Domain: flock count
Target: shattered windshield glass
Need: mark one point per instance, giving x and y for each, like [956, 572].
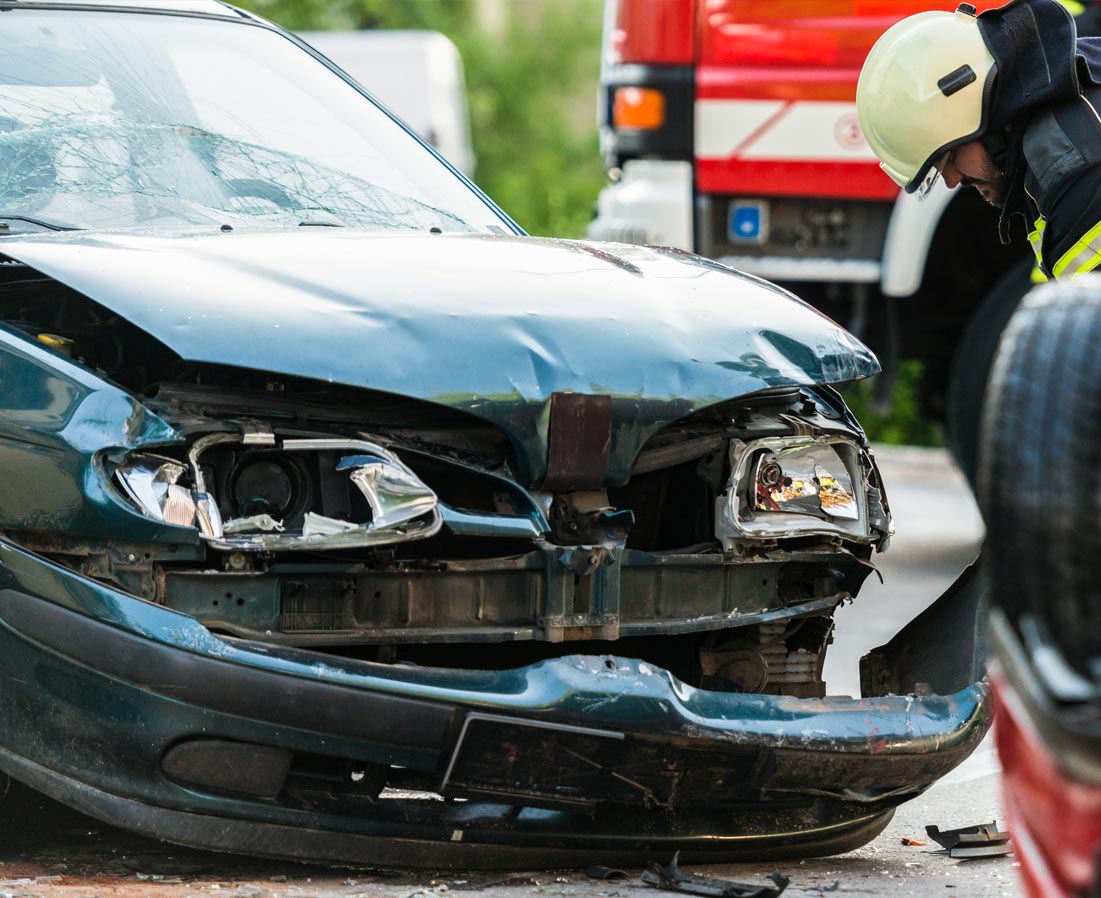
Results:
[116, 120]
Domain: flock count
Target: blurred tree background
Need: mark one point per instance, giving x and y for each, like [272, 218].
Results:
[532, 68]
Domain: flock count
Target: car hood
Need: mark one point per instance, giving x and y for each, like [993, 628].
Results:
[492, 325]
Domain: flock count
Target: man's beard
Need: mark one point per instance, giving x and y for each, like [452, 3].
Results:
[993, 191]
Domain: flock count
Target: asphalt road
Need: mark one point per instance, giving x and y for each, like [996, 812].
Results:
[48, 851]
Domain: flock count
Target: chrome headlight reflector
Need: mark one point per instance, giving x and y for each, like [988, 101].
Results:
[795, 486]
[395, 493]
[151, 485]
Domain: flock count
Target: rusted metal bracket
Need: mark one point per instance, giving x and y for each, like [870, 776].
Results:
[583, 595]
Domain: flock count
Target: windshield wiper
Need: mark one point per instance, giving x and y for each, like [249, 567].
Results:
[320, 224]
[49, 225]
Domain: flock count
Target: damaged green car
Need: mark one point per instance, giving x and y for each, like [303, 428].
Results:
[340, 520]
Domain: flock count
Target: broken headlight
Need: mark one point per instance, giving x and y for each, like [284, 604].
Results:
[151, 484]
[254, 493]
[795, 486]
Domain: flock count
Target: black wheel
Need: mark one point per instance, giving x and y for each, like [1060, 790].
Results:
[1040, 466]
[972, 360]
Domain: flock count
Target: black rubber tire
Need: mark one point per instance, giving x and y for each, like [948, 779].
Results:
[1040, 466]
[972, 360]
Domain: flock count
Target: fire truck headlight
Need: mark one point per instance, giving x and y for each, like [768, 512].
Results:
[638, 107]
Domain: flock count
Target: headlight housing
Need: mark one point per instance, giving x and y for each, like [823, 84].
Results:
[796, 486]
[267, 509]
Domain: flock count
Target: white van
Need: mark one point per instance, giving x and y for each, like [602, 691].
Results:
[418, 75]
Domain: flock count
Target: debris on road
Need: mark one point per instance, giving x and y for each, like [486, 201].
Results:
[916, 843]
[674, 879]
[599, 872]
[27, 881]
[969, 842]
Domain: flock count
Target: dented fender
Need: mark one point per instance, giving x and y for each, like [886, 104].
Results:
[58, 417]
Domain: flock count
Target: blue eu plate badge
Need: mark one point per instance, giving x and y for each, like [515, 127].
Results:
[748, 222]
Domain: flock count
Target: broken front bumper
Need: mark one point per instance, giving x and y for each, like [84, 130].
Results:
[140, 716]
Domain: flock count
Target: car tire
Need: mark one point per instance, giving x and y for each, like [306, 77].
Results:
[1039, 477]
[973, 358]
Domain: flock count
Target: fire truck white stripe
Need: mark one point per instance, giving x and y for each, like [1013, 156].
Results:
[809, 131]
[723, 125]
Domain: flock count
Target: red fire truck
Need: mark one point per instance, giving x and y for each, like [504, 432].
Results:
[729, 128]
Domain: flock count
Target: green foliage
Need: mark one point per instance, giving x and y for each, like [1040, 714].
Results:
[532, 88]
[902, 421]
[322, 15]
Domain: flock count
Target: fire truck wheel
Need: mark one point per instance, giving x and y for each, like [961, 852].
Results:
[1040, 466]
[972, 361]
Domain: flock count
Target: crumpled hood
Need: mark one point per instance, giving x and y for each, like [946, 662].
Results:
[491, 325]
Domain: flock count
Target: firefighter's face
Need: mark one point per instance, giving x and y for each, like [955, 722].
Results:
[971, 165]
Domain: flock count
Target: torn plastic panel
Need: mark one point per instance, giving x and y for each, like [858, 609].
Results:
[939, 651]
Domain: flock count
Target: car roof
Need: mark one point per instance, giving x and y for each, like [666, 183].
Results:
[198, 7]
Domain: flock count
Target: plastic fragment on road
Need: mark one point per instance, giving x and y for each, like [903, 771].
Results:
[600, 872]
[969, 842]
[916, 843]
[672, 878]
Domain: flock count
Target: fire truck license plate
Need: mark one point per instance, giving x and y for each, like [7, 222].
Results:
[747, 221]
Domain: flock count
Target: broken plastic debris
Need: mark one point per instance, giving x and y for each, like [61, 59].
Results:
[917, 843]
[971, 852]
[319, 525]
[599, 872]
[674, 879]
[968, 842]
[257, 522]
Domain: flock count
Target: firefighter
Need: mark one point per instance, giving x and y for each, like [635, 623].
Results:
[1007, 102]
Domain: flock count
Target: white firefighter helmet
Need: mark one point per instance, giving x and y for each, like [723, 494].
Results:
[925, 88]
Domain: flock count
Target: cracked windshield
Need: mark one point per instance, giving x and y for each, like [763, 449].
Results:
[126, 121]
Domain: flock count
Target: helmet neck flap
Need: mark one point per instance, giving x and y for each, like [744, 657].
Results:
[1033, 43]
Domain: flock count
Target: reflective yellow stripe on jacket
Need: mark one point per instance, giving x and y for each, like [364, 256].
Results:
[1035, 238]
[1084, 256]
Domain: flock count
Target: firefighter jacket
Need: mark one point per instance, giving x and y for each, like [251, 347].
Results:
[1047, 103]
[1054, 176]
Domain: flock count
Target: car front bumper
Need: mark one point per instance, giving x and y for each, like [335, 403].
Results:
[570, 761]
